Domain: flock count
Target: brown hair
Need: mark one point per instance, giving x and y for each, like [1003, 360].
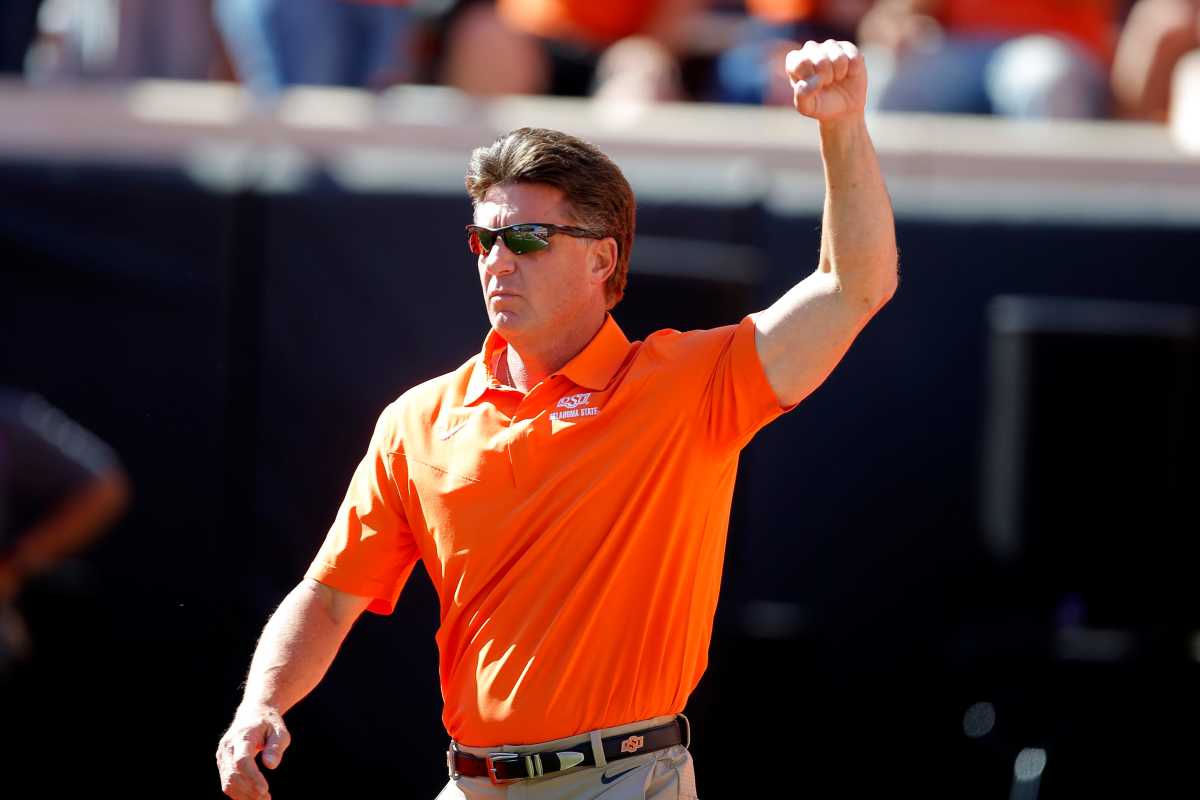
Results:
[597, 194]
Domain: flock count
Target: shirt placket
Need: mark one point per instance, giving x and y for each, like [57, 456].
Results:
[524, 428]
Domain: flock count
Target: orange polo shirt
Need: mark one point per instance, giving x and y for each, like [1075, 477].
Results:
[574, 534]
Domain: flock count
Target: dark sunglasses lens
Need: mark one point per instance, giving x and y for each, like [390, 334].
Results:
[524, 240]
[481, 241]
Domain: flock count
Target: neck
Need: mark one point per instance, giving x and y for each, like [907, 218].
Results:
[529, 363]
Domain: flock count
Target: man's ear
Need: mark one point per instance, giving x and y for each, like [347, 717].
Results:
[602, 259]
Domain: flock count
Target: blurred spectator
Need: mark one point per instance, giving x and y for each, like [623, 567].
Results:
[1185, 102]
[60, 488]
[124, 39]
[18, 28]
[750, 72]
[1020, 58]
[626, 49]
[279, 43]
[1156, 36]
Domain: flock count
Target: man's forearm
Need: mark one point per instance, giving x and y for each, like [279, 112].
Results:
[296, 648]
[858, 239]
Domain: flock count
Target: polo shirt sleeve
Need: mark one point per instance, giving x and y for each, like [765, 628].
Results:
[736, 400]
[369, 550]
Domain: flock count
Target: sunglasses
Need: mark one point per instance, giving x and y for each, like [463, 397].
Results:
[525, 237]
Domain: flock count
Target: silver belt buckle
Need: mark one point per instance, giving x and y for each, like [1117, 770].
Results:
[491, 760]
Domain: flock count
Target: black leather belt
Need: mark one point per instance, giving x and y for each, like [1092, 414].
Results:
[509, 767]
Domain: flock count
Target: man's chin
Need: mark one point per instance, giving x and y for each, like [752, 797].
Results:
[507, 323]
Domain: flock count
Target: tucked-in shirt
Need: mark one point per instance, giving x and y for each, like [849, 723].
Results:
[574, 534]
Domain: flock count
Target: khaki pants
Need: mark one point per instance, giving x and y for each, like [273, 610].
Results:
[658, 775]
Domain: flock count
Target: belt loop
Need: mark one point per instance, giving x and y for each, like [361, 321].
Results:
[687, 727]
[598, 749]
[450, 761]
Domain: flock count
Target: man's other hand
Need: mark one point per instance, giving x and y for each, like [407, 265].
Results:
[829, 80]
[254, 730]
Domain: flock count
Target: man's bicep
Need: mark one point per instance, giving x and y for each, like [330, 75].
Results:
[804, 334]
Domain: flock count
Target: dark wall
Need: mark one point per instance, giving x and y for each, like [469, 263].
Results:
[237, 348]
[114, 304]
[861, 589]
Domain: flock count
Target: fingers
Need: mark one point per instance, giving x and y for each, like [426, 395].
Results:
[241, 778]
[855, 64]
[799, 63]
[838, 59]
[820, 64]
[277, 741]
[829, 80]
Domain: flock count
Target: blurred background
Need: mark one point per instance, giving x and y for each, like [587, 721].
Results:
[230, 234]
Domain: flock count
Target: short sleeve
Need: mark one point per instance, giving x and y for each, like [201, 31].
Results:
[369, 550]
[739, 400]
[718, 373]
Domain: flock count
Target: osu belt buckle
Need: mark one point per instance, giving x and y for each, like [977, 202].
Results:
[633, 744]
[533, 766]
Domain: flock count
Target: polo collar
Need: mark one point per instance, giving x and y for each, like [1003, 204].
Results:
[593, 368]
[483, 374]
[599, 361]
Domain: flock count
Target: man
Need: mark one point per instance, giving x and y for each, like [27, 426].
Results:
[568, 491]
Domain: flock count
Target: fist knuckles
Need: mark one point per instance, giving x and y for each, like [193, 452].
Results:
[828, 79]
[830, 59]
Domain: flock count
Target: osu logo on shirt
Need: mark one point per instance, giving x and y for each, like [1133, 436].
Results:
[574, 400]
[574, 406]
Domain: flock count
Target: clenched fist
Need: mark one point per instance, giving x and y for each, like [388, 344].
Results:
[829, 80]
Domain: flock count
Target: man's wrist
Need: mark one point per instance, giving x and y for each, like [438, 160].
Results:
[257, 709]
[848, 124]
[843, 138]
[255, 697]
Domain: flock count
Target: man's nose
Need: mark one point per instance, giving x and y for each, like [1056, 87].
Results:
[499, 260]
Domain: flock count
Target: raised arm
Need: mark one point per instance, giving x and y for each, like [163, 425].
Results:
[804, 334]
[295, 651]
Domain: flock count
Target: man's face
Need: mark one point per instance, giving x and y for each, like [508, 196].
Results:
[543, 293]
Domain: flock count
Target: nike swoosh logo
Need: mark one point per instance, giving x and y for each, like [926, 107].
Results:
[607, 779]
[448, 432]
